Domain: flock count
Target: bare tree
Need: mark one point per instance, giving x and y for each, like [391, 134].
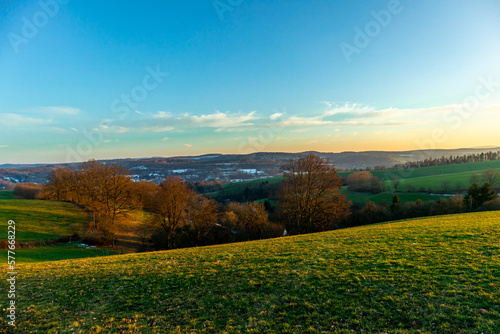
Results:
[170, 206]
[145, 192]
[118, 198]
[203, 216]
[446, 185]
[474, 178]
[395, 181]
[104, 190]
[491, 176]
[60, 185]
[310, 197]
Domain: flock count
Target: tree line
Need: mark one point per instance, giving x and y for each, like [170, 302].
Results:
[447, 160]
[178, 216]
[173, 214]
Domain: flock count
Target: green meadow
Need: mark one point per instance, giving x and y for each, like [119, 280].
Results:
[470, 167]
[456, 176]
[433, 275]
[39, 220]
[6, 194]
[362, 198]
[55, 253]
[414, 183]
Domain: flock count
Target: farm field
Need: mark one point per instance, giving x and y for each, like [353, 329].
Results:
[415, 183]
[6, 194]
[362, 198]
[457, 177]
[432, 275]
[39, 220]
[435, 170]
[239, 186]
[451, 183]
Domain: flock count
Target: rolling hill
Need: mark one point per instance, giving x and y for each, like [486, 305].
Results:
[433, 275]
[234, 167]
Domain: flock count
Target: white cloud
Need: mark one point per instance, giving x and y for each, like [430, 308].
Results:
[304, 121]
[188, 145]
[222, 120]
[15, 120]
[348, 109]
[354, 114]
[119, 129]
[162, 114]
[113, 129]
[63, 110]
[4, 146]
[164, 138]
[275, 116]
[157, 129]
[58, 130]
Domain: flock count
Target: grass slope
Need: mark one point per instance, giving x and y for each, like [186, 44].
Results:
[362, 198]
[6, 194]
[419, 276]
[436, 170]
[39, 220]
[56, 253]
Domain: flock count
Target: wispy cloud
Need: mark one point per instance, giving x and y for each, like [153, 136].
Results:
[157, 129]
[305, 121]
[275, 116]
[111, 129]
[57, 130]
[15, 120]
[162, 114]
[63, 110]
[354, 114]
[222, 121]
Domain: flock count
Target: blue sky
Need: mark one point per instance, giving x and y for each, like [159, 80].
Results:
[87, 79]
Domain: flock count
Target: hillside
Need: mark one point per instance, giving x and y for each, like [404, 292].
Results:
[40, 220]
[438, 274]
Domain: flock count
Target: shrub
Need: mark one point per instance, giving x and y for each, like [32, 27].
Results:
[28, 190]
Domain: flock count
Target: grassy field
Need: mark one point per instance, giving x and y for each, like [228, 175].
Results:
[477, 167]
[449, 179]
[435, 275]
[6, 194]
[455, 182]
[56, 253]
[457, 176]
[362, 198]
[243, 184]
[39, 220]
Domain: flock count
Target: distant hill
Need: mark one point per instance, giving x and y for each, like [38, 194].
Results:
[234, 167]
